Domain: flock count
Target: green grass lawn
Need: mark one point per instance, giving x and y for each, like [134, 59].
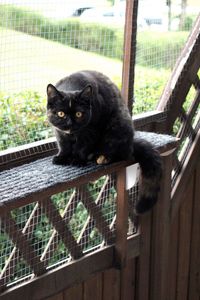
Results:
[30, 63]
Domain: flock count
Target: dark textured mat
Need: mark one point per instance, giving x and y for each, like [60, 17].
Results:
[42, 174]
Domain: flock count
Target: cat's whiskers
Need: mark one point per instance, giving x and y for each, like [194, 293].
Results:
[63, 131]
[67, 131]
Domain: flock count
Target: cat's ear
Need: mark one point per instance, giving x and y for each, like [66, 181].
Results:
[87, 92]
[52, 91]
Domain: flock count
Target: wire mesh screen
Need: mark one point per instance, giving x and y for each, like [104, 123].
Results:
[42, 235]
[163, 28]
[41, 42]
[186, 126]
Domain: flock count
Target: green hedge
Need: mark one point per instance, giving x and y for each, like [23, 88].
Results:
[22, 119]
[23, 115]
[71, 32]
[155, 49]
[149, 84]
[159, 49]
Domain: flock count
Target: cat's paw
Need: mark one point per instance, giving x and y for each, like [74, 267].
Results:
[102, 160]
[59, 160]
[78, 162]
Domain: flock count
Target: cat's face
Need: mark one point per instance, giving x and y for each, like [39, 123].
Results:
[70, 111]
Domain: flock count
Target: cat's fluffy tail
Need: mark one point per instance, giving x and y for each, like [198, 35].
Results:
[151, 170]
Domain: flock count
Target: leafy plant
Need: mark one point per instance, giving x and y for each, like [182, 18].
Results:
[149, 84]
[22, 119]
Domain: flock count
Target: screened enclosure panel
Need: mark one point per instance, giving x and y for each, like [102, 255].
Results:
[43, 41]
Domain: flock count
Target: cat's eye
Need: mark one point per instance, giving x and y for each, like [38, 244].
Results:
[79, 114]
[61, 114]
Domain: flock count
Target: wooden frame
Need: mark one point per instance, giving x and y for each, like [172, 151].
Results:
[149, 249]
[122, 250]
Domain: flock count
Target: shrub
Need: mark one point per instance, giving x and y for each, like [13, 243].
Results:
[159, 50]
[22, 119]
[188, 22]
[71, 32]
[149, 84]
[23, 115]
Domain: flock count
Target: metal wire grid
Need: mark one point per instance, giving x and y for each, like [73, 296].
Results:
[186, 127]
[47, 242]
[38, 46]
[13, 265]
[45, 234]
[133, 194]
[160, 39]
[29, 63]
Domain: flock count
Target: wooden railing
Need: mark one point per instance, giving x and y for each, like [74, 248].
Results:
[58, 227]
[181, 103]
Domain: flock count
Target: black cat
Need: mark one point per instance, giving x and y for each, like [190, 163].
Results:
[92, 123]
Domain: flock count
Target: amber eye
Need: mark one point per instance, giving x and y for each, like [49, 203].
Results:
[61, 114]
[79, 114]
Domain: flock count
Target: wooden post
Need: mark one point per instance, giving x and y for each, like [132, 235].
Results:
[194, 276]
[161, 235]
[144, 258]
[121, 220]
[128, 71]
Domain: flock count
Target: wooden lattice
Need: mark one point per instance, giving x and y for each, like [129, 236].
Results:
[181, 100]
[59, 229]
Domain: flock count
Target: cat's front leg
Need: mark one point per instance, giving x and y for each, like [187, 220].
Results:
[105, 153]
[83, 150]
[61, 159]
[81, 156]
[64, 155]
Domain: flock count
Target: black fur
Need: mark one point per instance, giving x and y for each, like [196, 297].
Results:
[103, 133]
[151, 168]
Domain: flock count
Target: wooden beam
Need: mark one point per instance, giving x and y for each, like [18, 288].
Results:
[184, 240]
[128, 278]
[194, 272]
[74, 293]
[90, 222]
[183, 177]
[121, 220]
[186, 59]
[128, 71]
[61, 227]
[76, 182]
[61, 187]
[93, 287]
[149, 118]
[96, 214]
[52, 244]
[65, 276]
[111, 278]
[161, 236]
[19, 155]
[144, 262]
[21, 241]
[183, 76]
[14, 256]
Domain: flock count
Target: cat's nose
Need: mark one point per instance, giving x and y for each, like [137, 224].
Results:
[69, 122]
